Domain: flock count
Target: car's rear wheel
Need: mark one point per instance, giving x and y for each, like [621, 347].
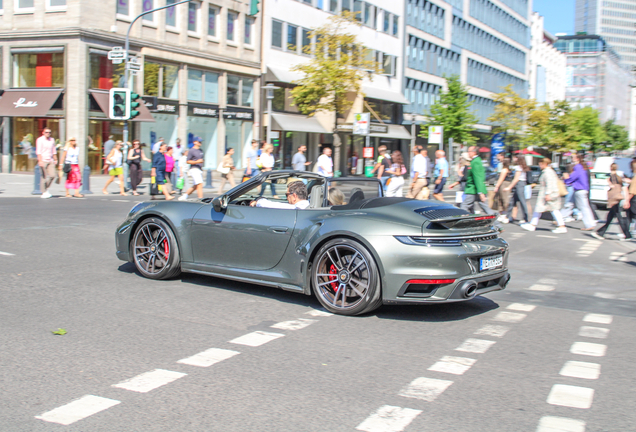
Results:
[345, 278]
[155, 250]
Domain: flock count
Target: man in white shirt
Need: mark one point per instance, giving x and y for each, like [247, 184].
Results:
[296, 197]
[419, 183]
[156, 146]
[325, 163]
[47, 160]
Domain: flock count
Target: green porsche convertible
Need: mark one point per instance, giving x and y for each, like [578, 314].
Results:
[350, 246]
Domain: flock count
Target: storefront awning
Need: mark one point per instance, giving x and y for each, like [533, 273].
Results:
[385, 95]
[28, 102]
[395, 132]
[281, 75]
[103, 100]
[296, 123]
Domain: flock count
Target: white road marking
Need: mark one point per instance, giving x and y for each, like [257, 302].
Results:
[521, 307]
[318, 313]
[150, 380]
[580, 239]
[298, 324]
[126, 201]
[618, 256]
[605, 295]
[542, 287]
[478, 346]
[548, 281]
[598, 318]
[427, 389]
[77, 410]
[571, 396]
[511, 317]
[560, 424]
[492, 330]
[546, 236]
[6, 253]
[256, 338]
[453, 365]
[209, 357]
[594, 332]
[388, 419]
[588, 349]
[577, 369]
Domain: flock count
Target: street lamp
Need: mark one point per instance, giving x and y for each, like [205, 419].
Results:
[270, 96]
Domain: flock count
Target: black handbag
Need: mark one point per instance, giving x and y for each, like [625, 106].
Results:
[66, 168]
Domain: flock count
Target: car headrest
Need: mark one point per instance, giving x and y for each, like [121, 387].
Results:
[316, 196]
[357, 195]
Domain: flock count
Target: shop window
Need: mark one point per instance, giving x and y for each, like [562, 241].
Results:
[161, 80]
[203, 86]
[103, 73]
[24, 6]
[232, 18]
[147, 5]
[212, 18]
[249, 25]
[193, 12]
[123, 7]
[277, 34]
[240, 90]
[38, 70]
[292, 38]
[171, 14]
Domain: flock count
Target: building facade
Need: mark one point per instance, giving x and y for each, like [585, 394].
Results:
[614, 21]
[199, 75]
[485, 42]
[547, 65]
[596, 77]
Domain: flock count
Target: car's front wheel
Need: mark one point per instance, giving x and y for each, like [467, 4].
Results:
[345, 278]
[155, 250]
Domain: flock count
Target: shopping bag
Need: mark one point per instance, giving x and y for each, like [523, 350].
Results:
[245, 178]
[180, 183]
[459, 197]
[154, 187]
[527, 191]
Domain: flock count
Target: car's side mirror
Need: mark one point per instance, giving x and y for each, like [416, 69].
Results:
[219, 203]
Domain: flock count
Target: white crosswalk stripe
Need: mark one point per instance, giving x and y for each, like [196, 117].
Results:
[521, 307]
[256, 338]
[209, 357]
[298, 324]
[509, 317]
[453, 365]
[77, 410]
[593, 332]
[492, 330]
[571, 396]
[318, 313]
[560, 424]
[150, 380]
[588, 349]
[427, 389]
[388, 419]
[584, 370]
[598, 318]
[478, 346]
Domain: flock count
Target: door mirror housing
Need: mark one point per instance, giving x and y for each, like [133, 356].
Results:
[219, 203]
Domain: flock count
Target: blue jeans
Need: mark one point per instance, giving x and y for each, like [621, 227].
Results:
[384, 180]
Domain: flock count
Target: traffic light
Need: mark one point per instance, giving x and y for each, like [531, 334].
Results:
[254, 7]
[119, 103]
[134, 112]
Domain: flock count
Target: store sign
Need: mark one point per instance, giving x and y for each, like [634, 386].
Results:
[155, 104]
[367, 152]
[28, 103]
[373, 128]
[435, 134]
[238, 115]
[361, 123]
[203, 111]
[23, 103]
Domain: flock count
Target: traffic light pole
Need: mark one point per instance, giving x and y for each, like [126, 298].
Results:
[125, 83]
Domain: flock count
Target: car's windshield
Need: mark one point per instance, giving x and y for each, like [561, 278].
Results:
[340, 192]
[273, 189]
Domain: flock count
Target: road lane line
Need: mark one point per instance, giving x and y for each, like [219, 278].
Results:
[318, 313]
[149, 380]
[588, 349]
[388, 419]
[521, 307]
[605, 295]
[546, 236]
[427, 389]
[541, 287]
[209, 357]
[560, 424]
[594, 332]
[477, 346]
[598, 318]
[6, 253]
[298, 324]
[510, 317]
[584, 370]
[492, 330]
[256, 338]
[77, 410]
[548, 281]
[571, 396]
[453, 365]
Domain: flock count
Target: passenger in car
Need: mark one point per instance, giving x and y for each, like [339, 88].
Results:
[296, 198]
[335, 197]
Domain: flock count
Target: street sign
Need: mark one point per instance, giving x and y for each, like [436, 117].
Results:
[367, 152]
[117, 55]
[361, 123]
[435, 134]
[134, 64]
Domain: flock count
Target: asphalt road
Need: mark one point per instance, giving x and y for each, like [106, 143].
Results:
[501, 362]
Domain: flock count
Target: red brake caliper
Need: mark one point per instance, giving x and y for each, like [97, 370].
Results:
[166, 249]
[334, 271]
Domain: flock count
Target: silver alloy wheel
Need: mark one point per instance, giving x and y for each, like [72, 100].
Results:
[342, 277]
[151, 248]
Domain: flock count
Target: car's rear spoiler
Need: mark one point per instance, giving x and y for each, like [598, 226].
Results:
[465, 221]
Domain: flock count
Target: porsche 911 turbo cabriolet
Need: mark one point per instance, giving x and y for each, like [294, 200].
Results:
[353, 248]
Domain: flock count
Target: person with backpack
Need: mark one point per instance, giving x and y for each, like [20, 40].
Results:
[395, 183]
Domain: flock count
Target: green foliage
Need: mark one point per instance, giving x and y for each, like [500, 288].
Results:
[452, 111]
[336, 70]
[583, 130]
[617, 136]
[59, 332]
[511, 112]
[548, 126]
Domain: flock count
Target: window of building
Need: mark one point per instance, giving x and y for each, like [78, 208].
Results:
[232, 18]
[212, 19]
[52, 4]
[395, 25]
[369, 15]
[292, 38]
[171, 14]
[123, 7]
[247, 92]
[333, 6]
[387, 111]
[193, 12]
[233, 83]
[161, 80]
[249, 26]
[346, 5]
[277, 34]
[147, 5]
[38, 70]
[319, 4]
[103, 73]
[306, 41]
[240, 91]
[24, 6]
[358, 6]
[203, 86]
[386, 26]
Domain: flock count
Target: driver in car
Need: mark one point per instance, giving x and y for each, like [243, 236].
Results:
[296, 197]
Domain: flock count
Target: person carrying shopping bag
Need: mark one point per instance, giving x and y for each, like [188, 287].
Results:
[70, 165]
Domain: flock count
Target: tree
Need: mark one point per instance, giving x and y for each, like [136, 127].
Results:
[511, 112]
[617, 136]
[583, 130]
[547, 126]
[452, 111]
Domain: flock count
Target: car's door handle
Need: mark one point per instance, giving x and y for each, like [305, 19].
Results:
[278, 229]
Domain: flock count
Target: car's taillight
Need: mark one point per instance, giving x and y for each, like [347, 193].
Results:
[431, 281]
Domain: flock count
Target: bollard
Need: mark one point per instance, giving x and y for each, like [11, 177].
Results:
[86, 181]
[208, 181]
[37, 180]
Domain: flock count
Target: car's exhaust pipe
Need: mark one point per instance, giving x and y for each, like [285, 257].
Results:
[468, 289]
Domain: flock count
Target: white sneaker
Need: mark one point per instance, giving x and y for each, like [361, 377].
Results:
[597, 235]
[569, 219]
[183, 197]
[560, 230]
[505, 220]
[46, 194]
[579, 217]
[528, 227]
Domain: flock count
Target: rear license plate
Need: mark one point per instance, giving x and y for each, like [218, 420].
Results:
[490, 262]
